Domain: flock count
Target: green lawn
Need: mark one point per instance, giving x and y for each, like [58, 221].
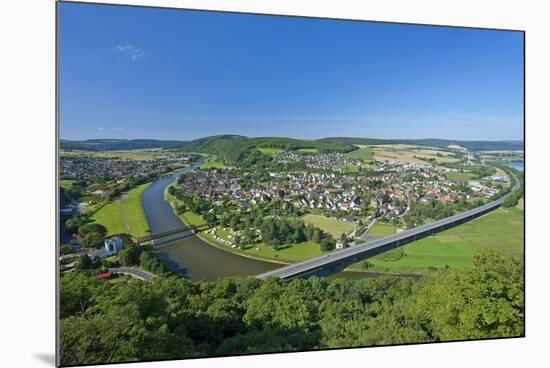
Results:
[330, 225]
[500, 230]
[271, 151]
[457, 176]
[192, 218]
[380, 230]
[124, 215]
[362, 154]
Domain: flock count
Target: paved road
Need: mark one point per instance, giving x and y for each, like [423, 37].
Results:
[366, 250]
[134, 272]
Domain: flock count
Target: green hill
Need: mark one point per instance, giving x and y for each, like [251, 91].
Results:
[233, 148]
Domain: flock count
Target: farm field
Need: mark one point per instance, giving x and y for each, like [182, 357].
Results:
[500, 230]
[124, 215]
[398, 146]
[438, 155]
[384, 155]
[362, 154]
[402, 152]
[330, 225]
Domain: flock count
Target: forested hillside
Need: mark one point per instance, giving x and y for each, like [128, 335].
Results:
[171, 317]
[232, 148]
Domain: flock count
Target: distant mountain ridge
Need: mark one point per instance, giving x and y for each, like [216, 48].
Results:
[504, 145]
[233, 146]
[116, 144]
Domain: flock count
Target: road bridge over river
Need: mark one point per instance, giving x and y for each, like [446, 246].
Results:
[338, 260]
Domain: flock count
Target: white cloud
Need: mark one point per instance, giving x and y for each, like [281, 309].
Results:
[116, 128]
[132, 51]
[100, 128]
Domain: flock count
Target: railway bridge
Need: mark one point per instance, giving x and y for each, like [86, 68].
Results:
[182, 232]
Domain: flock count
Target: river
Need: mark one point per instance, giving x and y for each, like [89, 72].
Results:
[518, 165]
[193, 257]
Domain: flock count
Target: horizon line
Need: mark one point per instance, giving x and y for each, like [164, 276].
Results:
[304, 139]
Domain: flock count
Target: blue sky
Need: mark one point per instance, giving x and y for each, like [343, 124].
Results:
[128, 72]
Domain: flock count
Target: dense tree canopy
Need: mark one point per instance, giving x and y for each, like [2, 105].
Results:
[172, 317]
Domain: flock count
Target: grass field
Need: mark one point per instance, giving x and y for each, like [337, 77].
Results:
[192, 218]
[402, 152]
[271, 151]
[330, 225]
[124, 215]
[308, 150]
[188, 217]
[444, 156]
[66, 184]
[500, 230]
[457, 176]
[379, 230]
[212, 163]
[351, 169]
[397, 156]
[362, 154]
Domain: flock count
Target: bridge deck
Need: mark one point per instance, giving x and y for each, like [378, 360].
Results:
[190, 228]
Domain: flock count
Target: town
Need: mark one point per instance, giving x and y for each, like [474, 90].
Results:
[387, 189]
[333, 187]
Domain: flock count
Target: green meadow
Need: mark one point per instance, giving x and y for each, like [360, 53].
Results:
[330, 225]
[124, 215]
[500, 231]
[457, 176]
[212, 163]
[380, 230]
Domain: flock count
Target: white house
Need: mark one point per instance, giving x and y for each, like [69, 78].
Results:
[112, 247]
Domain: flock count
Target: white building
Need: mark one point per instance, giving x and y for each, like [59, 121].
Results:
[112, 247]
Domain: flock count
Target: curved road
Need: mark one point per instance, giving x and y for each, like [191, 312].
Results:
[369, 249]
[134, 272]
